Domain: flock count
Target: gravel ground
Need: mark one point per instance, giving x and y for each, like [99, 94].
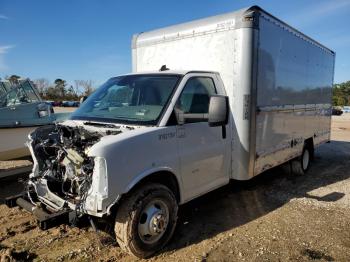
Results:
[273, 217]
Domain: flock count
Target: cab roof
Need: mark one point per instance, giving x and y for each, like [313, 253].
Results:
[172, 72]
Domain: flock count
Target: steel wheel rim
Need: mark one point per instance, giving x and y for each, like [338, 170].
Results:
[153, 222]
[306, 158]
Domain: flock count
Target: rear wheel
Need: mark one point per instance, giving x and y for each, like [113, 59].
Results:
[146, 220]
[301, 164]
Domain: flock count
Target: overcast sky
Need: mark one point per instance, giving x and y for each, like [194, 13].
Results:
[91, 39]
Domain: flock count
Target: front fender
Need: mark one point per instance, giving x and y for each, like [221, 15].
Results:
[133, 155]
[149, 172]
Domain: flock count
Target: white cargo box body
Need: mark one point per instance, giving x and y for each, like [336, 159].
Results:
[278, 80]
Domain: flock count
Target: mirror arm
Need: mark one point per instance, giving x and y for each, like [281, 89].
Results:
[196, 116]
[181, 117]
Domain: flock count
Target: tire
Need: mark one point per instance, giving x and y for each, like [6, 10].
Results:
[301, 164]
[146, 220]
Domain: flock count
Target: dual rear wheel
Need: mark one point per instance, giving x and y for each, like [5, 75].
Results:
[301, 164]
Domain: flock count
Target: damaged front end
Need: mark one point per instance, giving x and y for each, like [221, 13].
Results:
[65, 179]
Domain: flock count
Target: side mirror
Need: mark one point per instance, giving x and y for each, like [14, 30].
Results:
[218, 110]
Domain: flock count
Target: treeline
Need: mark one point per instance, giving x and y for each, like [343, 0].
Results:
[341, 94]
[59, 90]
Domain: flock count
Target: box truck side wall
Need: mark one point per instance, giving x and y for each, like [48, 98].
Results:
[295, 77]
[277, 79]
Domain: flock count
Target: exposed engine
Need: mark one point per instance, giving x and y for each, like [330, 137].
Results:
[62, 155]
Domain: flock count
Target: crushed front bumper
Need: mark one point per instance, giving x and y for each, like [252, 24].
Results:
[44, 218]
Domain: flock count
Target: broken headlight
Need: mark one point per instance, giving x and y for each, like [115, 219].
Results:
[99, 177]
[99, 186]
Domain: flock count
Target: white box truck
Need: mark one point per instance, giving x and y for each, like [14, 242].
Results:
[245, 92]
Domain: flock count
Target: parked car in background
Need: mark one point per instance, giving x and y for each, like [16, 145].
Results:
[346, 109]
[336, 111]
[51, 103]
[70, 103]
[57, 103]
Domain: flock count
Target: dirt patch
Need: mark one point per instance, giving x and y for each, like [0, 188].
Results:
[8, 254]
[316, 255]
[274, 217]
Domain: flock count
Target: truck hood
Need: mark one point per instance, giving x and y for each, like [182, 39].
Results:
[111, 134]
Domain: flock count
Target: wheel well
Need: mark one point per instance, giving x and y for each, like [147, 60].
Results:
[165, 178]
[309, 144]
[162, 177]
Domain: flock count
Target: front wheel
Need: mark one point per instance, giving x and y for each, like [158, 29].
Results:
[146, 220]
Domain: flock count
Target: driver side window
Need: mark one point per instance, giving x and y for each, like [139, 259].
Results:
[195, 96]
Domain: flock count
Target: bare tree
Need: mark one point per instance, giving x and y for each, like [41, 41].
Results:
[78, 87]
[71, 94]
[42, 84]
[87, 86]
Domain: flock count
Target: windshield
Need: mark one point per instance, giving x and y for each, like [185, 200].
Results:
[2, 90]
[22, 94]
[138, 99]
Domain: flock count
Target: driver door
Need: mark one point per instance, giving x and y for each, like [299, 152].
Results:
[202, 149]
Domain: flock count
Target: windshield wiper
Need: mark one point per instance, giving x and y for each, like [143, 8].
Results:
[101, 125]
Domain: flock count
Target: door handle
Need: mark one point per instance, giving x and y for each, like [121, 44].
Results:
[12, 108]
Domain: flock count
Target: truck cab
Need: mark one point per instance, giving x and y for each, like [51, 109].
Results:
[168, 114]
[162, 137]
